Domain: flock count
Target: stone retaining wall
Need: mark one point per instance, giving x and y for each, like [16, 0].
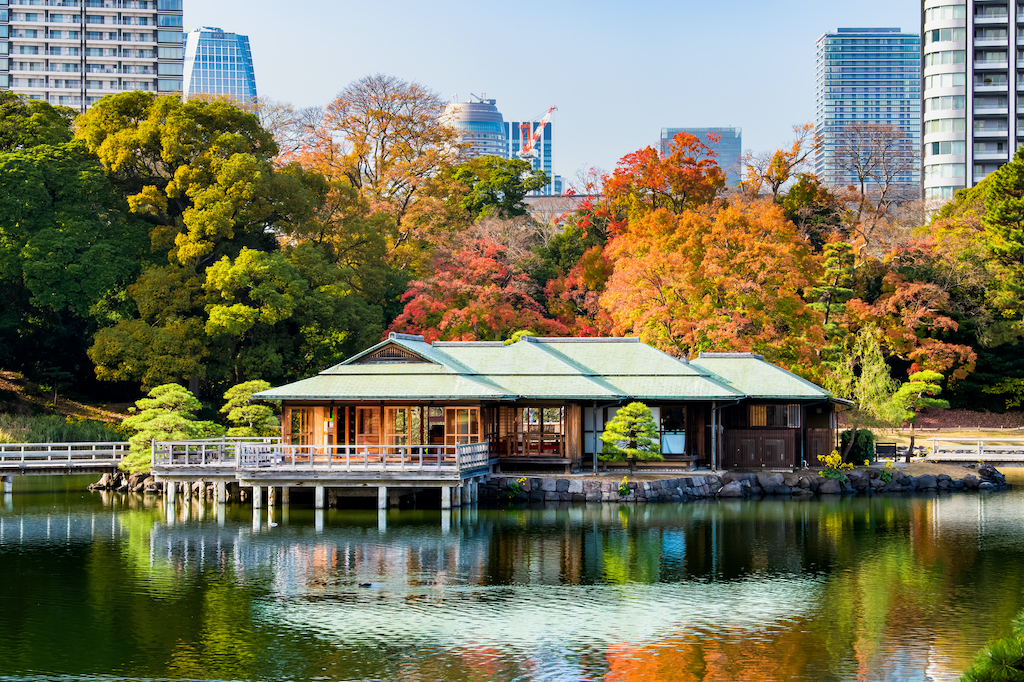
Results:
[805, 483]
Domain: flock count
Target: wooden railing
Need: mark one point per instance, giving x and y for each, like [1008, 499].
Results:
[203, 452]
[271, 453]
[534, 445]
[61, 455]
[361, 458]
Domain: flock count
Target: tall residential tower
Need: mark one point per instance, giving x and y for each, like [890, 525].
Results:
[218, 63]
[866, 76]
[973, 90]
[58, 51]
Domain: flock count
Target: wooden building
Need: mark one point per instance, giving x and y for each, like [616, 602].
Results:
[543, 402]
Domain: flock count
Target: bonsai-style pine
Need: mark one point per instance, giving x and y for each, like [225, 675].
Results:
[631, 436]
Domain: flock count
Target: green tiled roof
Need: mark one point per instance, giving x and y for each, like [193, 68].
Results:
[750, 375]
[606, 369]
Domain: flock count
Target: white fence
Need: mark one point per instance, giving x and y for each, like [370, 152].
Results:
[61, 455]
[974, 450]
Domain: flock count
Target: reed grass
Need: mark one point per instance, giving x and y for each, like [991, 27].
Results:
[52, 428]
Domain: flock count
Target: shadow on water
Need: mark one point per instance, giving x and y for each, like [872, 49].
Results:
[843, 589]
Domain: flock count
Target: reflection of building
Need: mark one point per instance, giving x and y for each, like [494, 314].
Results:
[60, 53]
[866, 76]
[545, 401]
[729, 148]
[480, 125]
[218, 63]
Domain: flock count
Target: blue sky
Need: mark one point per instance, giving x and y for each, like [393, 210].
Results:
[618, 72]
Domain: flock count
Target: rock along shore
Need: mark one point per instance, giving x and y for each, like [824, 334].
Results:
[804, 483]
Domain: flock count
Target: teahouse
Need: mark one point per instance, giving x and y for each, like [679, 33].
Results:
[543, 403]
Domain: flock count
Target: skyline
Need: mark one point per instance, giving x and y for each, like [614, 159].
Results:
[615, 87]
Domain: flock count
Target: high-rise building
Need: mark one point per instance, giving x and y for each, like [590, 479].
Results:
[973, 91]
[64, 53]
[480, 125]
[867, 76]
[218, 63]
[542, 161]
[729, 148]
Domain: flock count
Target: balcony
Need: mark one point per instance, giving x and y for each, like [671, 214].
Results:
[991, 133]
[990, 156]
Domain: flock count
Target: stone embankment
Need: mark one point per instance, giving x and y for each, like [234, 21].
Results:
[805, 483]
[121, 482]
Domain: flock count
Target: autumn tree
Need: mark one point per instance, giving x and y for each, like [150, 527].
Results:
[646, 180]
[771, 170]
[474, 293]
[723, 277]
[816, 211]
[384, 137]
[881, 159]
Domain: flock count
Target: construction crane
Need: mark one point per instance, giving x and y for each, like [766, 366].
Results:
[529, 140]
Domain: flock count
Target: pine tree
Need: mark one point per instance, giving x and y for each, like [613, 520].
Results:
[630, 436]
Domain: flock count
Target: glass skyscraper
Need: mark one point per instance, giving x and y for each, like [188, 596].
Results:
[64, 53]
[867, 76]
[729, 148]
[973, 90]
[218, 63]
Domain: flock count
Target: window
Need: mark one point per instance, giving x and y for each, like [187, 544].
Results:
[168, 20]
[169, 36]
[950, 147]
[778, 416]
[958, 35]
[397, 425]
[944, 170]
[461, 425]
[300, 425]
[948, 57]
[945, 125]
[171, 69]
[946, 12]
[170, 5]
[948, 102]
[947, 80]
[171, 53]
[168, 85]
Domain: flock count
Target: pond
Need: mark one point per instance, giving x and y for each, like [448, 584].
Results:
[109, 586]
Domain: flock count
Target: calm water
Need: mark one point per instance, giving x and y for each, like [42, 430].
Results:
[114, 587]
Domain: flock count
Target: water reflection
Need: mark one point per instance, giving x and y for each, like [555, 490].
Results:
[882, 588]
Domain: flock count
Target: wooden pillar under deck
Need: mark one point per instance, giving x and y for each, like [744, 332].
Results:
[382, 497]
[319, 497]
[446, 497]
[257, 497]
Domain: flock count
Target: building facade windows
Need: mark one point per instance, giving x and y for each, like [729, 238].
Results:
[218, 62]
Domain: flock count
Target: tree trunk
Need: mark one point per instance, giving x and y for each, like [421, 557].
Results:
[910, 450]
[853, 437]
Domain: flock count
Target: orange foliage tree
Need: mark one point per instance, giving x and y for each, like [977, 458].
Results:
[474, 294]
[729, 276]
[772, 170]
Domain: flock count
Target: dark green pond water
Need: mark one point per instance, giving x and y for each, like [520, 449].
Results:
[110, 587]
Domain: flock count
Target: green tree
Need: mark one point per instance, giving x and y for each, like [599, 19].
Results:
[67, 241]
[27, 123]
[167, 414]
[861, 375]
[492, 185]
[249, 418]
[1002, 660]
[200, 172]
[918, 394]
[1003, 224]
[631, 436]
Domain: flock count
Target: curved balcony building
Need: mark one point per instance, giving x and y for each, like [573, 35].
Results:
[480, 125]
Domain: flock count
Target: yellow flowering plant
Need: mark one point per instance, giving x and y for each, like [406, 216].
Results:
[834, 466]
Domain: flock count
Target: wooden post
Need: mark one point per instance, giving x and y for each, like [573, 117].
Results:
[170, 491]
[272, 495]
[222, 496]
[284, 495]
[8, 484]
[446, 497]
[319, 502]
[464, 490]
[456, 496]
[257, 497]
[382, 497]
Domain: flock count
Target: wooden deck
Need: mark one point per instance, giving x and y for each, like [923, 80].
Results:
[268, 462]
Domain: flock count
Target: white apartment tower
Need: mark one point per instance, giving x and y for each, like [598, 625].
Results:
[973, 115]
[73, 52]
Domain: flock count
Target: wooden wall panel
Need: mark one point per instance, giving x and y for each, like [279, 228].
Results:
[574, 432]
